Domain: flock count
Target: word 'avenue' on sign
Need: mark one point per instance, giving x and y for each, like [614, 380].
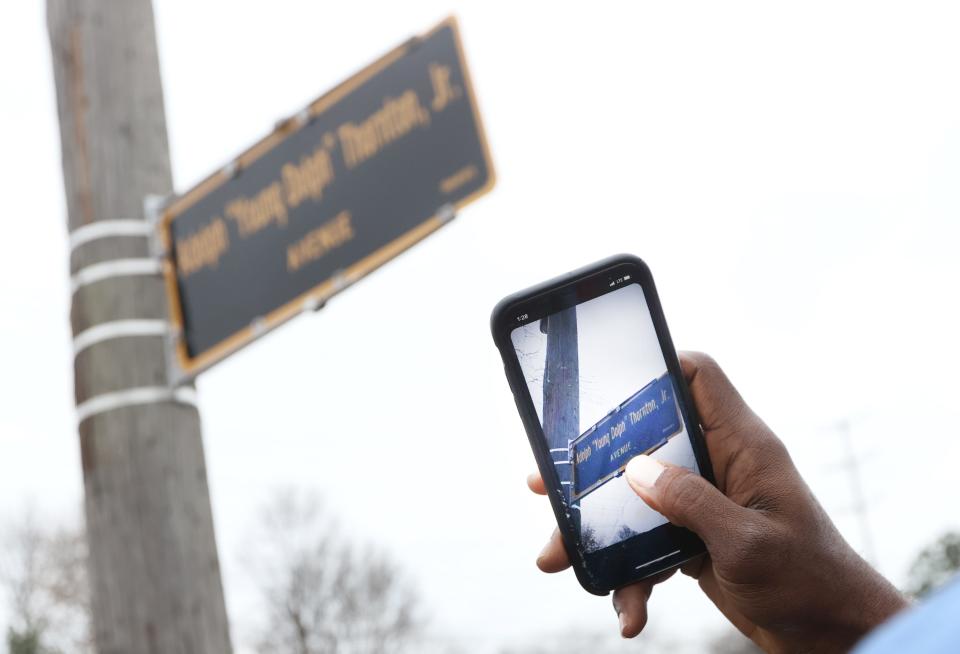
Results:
[640, 425]
[359, 176]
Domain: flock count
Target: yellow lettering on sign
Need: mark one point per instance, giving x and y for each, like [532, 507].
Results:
[444, 92]
[332, 234]
[309, 178]
[397, 118]
[253, 214]
[459, 178]
[203, 248]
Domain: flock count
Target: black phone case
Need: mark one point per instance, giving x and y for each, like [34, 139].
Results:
[531, 422]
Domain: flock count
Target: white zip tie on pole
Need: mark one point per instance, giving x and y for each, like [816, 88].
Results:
[106, 331]
[116, 268]
[108, 228]
[133, 397]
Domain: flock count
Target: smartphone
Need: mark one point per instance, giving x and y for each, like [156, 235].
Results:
[597, 381]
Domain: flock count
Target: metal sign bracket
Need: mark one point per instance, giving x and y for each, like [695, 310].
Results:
[153, 206]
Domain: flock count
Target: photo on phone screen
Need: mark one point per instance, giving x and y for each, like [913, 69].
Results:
[603, 393]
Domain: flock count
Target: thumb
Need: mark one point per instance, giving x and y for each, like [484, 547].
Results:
[684, 498]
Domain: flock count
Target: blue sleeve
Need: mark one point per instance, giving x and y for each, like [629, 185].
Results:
[930, 628]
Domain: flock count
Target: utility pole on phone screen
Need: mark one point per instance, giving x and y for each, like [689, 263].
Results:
[561, 390]
[155, 577]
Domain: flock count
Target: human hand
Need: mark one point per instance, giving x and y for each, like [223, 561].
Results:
[776, 566]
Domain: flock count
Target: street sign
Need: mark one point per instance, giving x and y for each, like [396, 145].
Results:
[640, 425]
[360, 175]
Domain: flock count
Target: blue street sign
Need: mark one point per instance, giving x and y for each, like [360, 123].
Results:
[640, 425]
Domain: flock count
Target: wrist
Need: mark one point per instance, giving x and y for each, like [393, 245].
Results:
[871, 601]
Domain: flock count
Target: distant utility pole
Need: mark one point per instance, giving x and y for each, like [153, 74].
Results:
[851, 467]
[561, 390]
[154, 572]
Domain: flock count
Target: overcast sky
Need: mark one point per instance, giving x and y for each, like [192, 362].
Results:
[789, 172]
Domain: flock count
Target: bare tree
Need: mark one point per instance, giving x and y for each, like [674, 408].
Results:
[22, 580]
[44, 574]
[935, 565]
[324, 594]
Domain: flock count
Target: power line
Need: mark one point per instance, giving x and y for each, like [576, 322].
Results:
[851, 467]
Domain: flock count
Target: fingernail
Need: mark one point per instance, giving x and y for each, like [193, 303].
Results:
[543, 553]
[643, 471]
[622, 617]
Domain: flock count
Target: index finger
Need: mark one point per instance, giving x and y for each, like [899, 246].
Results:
[718, 402]
[554, 557]
[535, 483]
[630, 603]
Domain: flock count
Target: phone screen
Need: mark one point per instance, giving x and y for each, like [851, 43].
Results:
[603, 393]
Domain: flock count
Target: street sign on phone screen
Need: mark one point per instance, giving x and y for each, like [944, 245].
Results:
[640, 425]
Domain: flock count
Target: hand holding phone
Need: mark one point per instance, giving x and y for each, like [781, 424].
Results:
[776, 566]
[597, 382]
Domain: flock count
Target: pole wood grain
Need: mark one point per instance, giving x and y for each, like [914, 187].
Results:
[154, 569]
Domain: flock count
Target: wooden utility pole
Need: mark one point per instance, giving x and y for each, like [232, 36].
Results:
[153, 558]
[561, 389]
